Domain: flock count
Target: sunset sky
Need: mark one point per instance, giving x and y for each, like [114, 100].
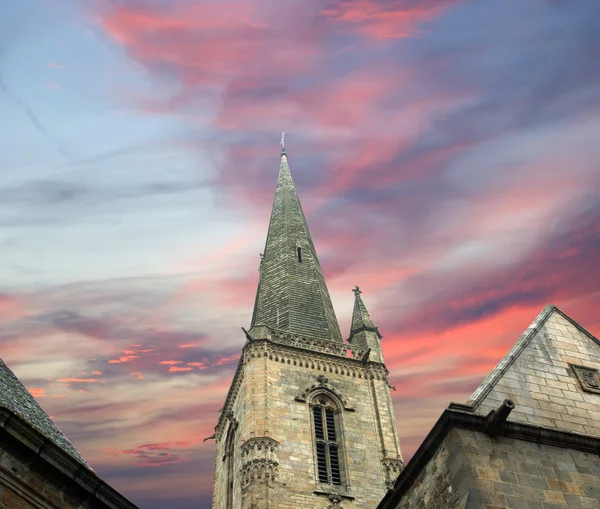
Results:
[446, 153]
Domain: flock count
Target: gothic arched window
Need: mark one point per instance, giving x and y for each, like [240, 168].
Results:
[326, 421]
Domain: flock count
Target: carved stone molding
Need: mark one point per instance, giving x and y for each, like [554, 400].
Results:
[589, 378]
[259, 469]
[392, 468]
[259, 459]
[322, 384]
[313, 360]
[334, 501]
[259, 445]
[318, 345]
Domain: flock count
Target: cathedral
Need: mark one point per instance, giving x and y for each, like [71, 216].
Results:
[308, 421]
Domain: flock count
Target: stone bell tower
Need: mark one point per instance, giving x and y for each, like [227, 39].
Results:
[308, 420]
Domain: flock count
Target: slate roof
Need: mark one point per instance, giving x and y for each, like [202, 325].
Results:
[292, 295]
[16, 398]
[361, 320]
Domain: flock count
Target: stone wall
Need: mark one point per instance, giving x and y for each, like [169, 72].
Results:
[542, 383]
[276, 448]
[37, 473]
[472, 470]
[25, 486]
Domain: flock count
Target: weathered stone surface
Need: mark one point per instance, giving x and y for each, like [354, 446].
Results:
[36, 473]
[270, 412]
[537, 375]
[483, 472]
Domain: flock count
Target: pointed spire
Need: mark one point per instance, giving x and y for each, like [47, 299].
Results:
[361, 321]
[292, 295]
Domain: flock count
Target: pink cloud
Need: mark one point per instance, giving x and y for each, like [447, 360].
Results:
[79, 380]
[37, 392]
[12, 307]
[386, 20]
[123, 359]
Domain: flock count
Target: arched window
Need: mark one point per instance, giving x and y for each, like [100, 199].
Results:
[326, 421]
[228, 457]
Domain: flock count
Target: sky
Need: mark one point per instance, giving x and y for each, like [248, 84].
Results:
[446, 154]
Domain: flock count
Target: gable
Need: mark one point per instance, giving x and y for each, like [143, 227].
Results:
[540, 374]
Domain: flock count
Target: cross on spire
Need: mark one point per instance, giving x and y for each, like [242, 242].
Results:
[356, 291]
[283, 140]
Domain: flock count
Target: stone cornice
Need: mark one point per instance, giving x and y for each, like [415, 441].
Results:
[354, 364]
[452, 418]
[50, 457]
[317, 345]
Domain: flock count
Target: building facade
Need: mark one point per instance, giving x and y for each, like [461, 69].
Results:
[308, 420]
[529, 436]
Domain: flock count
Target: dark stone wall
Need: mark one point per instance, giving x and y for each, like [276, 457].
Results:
[25, 484]
[471, 470]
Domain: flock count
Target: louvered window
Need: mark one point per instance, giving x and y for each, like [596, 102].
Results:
[327, 446]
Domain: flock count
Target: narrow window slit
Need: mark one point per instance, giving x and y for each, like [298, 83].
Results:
[299, 251]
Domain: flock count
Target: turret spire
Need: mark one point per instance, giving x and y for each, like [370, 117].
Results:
[363, 332]
[292, 295]
[360, 316]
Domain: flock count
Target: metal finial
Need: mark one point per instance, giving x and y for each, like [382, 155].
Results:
[356, 290]
[283, 140]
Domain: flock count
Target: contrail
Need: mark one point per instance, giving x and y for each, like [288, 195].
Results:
[33, 118]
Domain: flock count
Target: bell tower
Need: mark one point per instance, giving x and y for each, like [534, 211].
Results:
[308, 420]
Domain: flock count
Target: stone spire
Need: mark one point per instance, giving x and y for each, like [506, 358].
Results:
[362, 329]
[360, 316]
[292, 295]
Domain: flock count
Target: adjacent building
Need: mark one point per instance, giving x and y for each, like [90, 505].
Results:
[39, 467]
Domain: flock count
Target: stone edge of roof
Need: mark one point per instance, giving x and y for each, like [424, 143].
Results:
[60, 440]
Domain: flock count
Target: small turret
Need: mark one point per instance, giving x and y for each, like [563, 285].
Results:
[363, 332]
